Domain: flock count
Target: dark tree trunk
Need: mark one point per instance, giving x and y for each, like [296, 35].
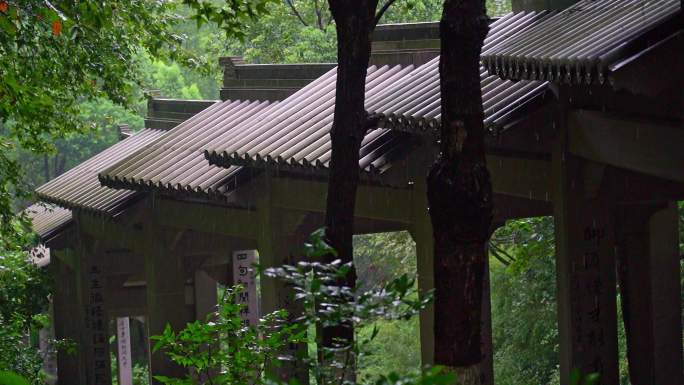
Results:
[459, 192]
[60, 163]
[355, 22]
[46, 168]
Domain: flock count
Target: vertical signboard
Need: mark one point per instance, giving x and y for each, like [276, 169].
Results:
[96, 322]
[593, 300]
[123, 339]
[244, 274]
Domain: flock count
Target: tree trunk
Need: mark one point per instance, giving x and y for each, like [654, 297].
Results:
[460, 192]
[46, 168]
[354, 21]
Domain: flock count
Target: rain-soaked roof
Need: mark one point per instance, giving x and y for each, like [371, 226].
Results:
[80, 188]
[580, 43]
[175, 162]
[47, 219]
[295, 134]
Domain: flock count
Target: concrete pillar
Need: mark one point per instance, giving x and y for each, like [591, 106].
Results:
[206, 295]
[165, 278]
[94, 343]
[421, 231]
[585, 268]
[280, 241]
[66, 320]
[45, 336]
[648, 256]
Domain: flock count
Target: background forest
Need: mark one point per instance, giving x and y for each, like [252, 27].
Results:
[522, 256]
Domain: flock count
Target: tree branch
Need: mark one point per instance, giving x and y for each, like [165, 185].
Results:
[501, 251]
[319, 17]
[382, 11]
[499, 257]
[295, 12]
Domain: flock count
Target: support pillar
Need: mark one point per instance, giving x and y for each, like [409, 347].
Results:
[94, 343]
[66, 320]
[280, 241]
[206, 295]
[585, 269]
[648, 257]
[165, 279]
[421, 231]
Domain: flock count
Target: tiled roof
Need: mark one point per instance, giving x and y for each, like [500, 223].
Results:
[579, 43]
[47, 219]
[175, 162]
[295, 133]
[413, 103]
[80, 188]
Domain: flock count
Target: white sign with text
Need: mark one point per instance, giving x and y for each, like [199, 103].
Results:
[245, 275]
[123, 338]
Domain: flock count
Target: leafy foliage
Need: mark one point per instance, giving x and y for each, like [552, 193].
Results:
[225, 351]
[10, 378]
[54, 56]
[24, 298]
[380, 258]
[231, 17]
[281, 36]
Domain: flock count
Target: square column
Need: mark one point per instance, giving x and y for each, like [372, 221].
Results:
[280, 240]
[66, 310]
[94, 342]
[206, 295]
[648, 258]
[165, 291]
[585, 269]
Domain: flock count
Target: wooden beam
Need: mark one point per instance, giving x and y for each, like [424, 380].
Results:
[520, 177]
[516, 174]
[510, 207]
[633, 187]
[207, 218]
[648, 147]
[373, 202]
[111, 232]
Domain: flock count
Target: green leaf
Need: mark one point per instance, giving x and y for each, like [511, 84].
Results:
[575, 376]
[10, 378]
